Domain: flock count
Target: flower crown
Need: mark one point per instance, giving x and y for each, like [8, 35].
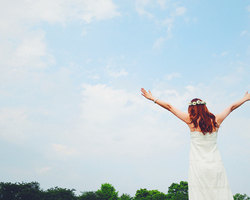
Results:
[198, 102]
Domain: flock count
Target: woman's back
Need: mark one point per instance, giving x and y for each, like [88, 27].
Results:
[204, 147]
[207, 178]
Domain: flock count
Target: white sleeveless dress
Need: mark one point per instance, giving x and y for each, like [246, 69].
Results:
[207, 179]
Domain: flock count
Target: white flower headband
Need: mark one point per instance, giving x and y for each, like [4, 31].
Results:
[198, 102]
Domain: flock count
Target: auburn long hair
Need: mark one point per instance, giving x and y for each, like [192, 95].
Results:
[201, 113]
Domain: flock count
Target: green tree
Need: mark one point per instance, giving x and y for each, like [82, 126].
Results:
[159, 196]
[144, 194]
[26, 191]
[241, 197]
[88, 196]
[125, 197]
[178, 191]
[60, 194]
[107, 192]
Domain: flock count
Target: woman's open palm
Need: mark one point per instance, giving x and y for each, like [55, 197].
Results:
[247, 96]
[146, 94]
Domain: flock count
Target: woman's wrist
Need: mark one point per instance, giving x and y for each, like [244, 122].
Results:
[155, 100]
[245, 99]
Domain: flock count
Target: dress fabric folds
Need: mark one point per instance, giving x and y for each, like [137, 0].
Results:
[207, 179]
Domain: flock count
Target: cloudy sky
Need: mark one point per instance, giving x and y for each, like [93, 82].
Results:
[71, 112]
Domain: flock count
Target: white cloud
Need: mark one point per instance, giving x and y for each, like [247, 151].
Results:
[190, 88]
[169, 22]
[243, 33]
[14, 124]
[32, 47]
[116, 67]
[14, 13]
[180, 11]
[99, 9]
[17, 19]
[162, 3]
[139, 7]
[43, 170]
[63, 150]
[143, 2]
[19, 56]
[159, 42]
[230, 79]
[171, 76]
[23, 46]
[224, 53]
[89, 60]
[109, 103]
[96, 76]
[248, 8]
[118, 74]
[235, 77]
[84, 32]
[113, 119]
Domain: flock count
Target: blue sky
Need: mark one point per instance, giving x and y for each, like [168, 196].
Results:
[71, 71]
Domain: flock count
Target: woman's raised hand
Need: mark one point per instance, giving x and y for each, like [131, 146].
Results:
[146, 94]
[247, 96]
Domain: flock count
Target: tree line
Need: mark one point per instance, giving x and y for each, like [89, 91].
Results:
[32, 191]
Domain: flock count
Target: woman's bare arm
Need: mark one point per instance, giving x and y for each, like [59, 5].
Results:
[222, 116]
[181, 115]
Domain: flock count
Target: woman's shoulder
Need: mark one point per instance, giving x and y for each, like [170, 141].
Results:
[198, 129]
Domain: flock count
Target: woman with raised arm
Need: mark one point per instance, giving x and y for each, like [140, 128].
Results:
[207, 179]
